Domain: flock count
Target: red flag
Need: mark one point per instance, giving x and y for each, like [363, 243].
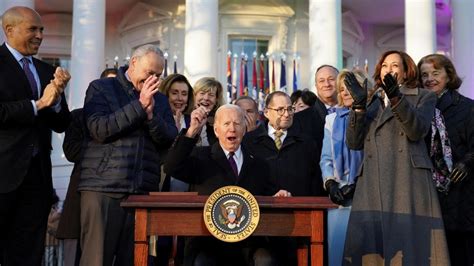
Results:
[229, 75]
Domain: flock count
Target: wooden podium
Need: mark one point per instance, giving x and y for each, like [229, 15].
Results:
[166, 214]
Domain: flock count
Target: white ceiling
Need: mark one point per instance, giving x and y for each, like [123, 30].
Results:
[385, 12]
[55, 6]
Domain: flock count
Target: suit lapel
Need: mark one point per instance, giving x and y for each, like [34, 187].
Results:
[387, 113]
[43, 75]
[385, 116]
[262, 138]
[247, 164]
[15, 72]
[218, 155]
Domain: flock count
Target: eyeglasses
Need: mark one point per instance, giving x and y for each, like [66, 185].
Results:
[281, 111]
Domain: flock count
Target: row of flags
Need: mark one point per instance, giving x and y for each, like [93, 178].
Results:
[263, 80]
[175, 66]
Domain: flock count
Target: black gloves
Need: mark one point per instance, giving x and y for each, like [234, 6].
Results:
[390, 86]
[463, 169]
[335, 194]
[348, 191]
[358, 92]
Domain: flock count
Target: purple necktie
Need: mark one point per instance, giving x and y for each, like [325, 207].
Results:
[232, 163]
[30, 76]
[331, 110]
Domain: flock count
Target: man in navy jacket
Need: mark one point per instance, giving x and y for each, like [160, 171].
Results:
[128, 122]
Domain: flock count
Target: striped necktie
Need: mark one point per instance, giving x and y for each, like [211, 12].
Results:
[31, 78]
[278, 135]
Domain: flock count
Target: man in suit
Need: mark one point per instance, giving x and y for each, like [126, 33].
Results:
[225, 163]
[293, 158]
[32, 104]
[311, 120]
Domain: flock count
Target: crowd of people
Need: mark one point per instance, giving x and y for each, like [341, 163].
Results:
[394, 152]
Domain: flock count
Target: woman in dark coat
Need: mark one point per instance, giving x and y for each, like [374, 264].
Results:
[181, 99]
[395, 217]
[437, 73]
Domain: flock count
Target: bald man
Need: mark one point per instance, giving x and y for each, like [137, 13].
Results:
[32, 104]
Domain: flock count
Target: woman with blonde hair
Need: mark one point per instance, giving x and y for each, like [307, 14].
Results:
[340, 166]
[208, 93]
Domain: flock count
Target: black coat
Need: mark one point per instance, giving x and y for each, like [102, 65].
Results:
[69, 226]
[295, 166]
[207, 168]
[311, 121]
[19, 127]
[122, 152]
[458, 206]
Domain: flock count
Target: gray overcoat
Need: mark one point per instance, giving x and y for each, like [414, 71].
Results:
[395, 217]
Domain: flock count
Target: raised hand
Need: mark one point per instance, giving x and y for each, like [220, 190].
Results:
[61, 78]
[149, 109]
[50, 96]
[149, 89]
[177, 119]
[250, 122]
[358, 92]
[198, 120]
[390, 86]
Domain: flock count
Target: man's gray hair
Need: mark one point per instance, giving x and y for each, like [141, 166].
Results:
[147, 48]
[230, 106]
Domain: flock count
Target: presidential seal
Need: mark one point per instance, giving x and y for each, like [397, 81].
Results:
[231, 214]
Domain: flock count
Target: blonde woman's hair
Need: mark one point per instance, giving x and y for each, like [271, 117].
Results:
[210, 84]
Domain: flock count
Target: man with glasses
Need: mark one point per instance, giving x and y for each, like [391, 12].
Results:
[128, 122]
[293, 158]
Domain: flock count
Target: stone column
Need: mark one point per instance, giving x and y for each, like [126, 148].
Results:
[420, 28]
[325, 34]
[200, 41]
[462, 43]
[87, 49]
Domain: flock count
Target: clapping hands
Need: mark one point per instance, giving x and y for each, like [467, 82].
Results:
[390, 86]
[54, 89]
[358, 92]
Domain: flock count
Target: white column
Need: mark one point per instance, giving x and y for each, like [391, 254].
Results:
[462, 48]
[6, 4]
[420, 28]
[200, 41]
[325, 34]
[87, 49]
[11, 3]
